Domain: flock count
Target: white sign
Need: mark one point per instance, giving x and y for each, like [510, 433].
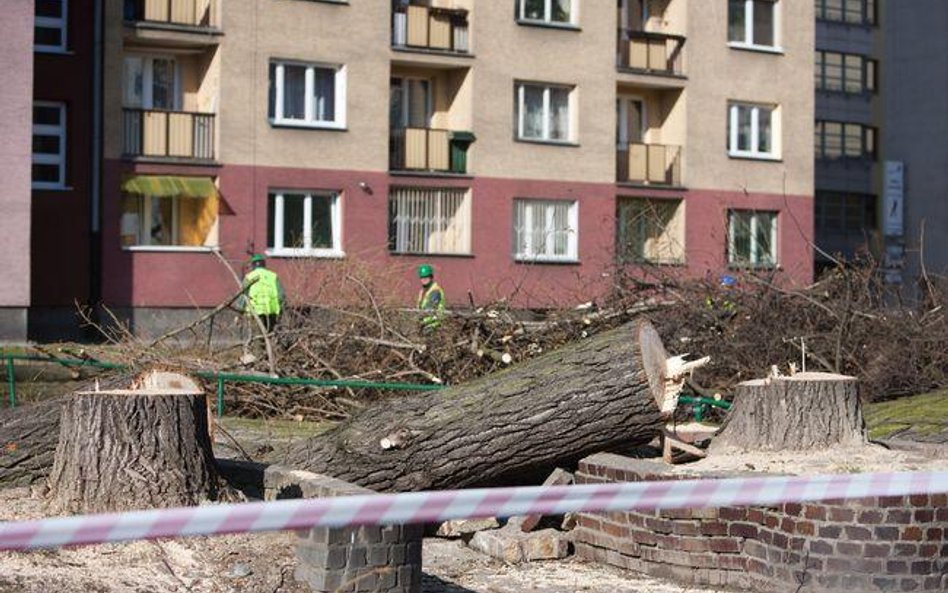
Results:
[893, 199]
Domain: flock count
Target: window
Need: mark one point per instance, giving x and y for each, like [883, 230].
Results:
[151, 82]
[429, 220]
[751, 130]
[304, 223]
[844, 140]
[556, 12]
[169, 222]
[845, 73]
[49, 145]
[546, 230]
[49, 25]
[847, 11]
[752, 238]
[845, 213]
[651, 231]
[544, 112]
[307, 95]
[752, 23]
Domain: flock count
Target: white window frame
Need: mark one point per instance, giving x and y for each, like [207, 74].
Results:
[754, 222]
[339, 102]
[572, 243]
[144, 222]
[748, 42]
[307, 250]
[571, 109]
[734, 131]
[47, 22]
[548, 14]
[428, 215]
[47, 158]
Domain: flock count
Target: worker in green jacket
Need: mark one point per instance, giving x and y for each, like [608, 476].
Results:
[430, 299]
[265, 296]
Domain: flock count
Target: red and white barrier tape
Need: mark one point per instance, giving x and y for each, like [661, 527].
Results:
[435, 507]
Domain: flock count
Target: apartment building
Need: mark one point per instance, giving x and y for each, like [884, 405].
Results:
[521, 150]
[528, 149]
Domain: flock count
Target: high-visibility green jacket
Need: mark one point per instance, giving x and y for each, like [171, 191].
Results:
[431, 299]
[265, 296]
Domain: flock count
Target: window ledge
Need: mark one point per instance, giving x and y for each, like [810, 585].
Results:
[168, 249]
[567, 143]
[422, 173]
[308, 126]
[53, 188]
[305, 253]
[411, 49]
[747, 156]
[764, 49]
[548, 25]
[53, 50]
[525, 259]
[652, 263]
[749, 266]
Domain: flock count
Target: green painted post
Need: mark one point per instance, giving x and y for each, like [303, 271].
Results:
[11, 381]
[220, 396]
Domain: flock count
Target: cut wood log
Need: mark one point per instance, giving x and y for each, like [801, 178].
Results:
[513, 426]
[145, 447]
[805, 411]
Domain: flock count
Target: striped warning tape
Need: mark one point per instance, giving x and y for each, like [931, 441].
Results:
[433, 507]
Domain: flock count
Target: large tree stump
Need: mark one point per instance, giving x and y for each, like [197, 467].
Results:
[137, 448]
[506, 427]
[805, 411]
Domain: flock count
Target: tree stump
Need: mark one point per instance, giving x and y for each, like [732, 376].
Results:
[802, 412]
[125, 449]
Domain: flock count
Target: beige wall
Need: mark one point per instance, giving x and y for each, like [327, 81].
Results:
[717, 73]
[507, 52]
[16, 109]
[356, 35]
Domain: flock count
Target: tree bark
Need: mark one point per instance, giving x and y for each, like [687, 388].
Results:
[805, 411]
[146, 447]
[507, 427]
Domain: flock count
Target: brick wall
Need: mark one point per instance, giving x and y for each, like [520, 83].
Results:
[381, 559]
[874, 544]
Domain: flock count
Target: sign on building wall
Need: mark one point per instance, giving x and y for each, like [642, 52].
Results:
[893, 199]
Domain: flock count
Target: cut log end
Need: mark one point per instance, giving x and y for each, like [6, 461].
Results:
[666, 375]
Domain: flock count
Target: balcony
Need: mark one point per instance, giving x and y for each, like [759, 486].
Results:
[429, 150]
[649, 164]
[168, 135]
[430, 29]
[651, 53]
[176, 23]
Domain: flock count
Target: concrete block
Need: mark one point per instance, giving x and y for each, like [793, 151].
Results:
[513, 546]
[466, 527]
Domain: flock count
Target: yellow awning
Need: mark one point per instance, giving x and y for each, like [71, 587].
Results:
[164, 186]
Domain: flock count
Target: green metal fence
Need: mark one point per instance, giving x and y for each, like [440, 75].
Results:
[220, 378]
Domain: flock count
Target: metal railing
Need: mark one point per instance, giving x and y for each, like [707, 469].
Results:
[164, 133]
[189, 13]
[439, 29]
[420, 149]
[649, 164]
[654, 53]
[220, 378]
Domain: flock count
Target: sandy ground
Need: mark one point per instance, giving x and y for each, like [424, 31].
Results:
[265, 562]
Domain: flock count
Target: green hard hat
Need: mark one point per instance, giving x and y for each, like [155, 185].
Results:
[425, 271]
[257, 257]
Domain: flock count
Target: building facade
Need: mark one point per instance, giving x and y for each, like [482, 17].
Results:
[529, 150]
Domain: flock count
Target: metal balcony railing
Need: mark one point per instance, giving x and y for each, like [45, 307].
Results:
[188, 13]
[168, 134]
[422, 27]
[655, 53]
[649, 164]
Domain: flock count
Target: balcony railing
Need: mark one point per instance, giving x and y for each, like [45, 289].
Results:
[429, 149]
[168, 134]
[649, 164]
[439, 29]
[654, 53]
[188, 13]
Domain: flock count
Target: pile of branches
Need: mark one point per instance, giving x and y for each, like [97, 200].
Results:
[849, 322]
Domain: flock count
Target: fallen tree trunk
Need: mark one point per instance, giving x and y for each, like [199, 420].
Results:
[505, 427]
